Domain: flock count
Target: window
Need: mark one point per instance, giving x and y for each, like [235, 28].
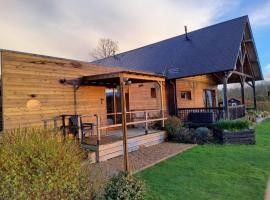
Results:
[185, 95]
[153, 93]
[209, 98]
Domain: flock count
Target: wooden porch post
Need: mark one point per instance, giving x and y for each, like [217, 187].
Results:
[124, 124]
[242, 83]
[161, 101]
[254, 94]
[114, 107]
[225, 95]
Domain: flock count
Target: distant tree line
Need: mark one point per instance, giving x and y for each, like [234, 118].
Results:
[262, 90]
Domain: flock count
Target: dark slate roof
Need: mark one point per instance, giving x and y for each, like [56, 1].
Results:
[211, 49]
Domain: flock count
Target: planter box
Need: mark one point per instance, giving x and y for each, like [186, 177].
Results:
[238, 137]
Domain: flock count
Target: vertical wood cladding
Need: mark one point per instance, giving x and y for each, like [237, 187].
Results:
[196, 85]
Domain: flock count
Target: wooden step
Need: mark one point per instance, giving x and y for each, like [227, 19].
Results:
[116, 149]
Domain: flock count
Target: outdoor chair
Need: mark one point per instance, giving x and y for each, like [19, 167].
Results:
[86, 127]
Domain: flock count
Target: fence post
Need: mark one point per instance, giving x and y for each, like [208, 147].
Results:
[45, 124]
[98, 129]
[55, 122]
[146, 123]
[163, 121]
[64, 125]
[79, 128]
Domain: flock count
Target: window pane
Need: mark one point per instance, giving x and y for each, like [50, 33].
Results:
[185, 95]
[153, 93]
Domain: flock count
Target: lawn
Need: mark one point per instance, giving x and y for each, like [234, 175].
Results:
[214, 171]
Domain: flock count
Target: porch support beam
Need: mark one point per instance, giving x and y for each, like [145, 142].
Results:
[161, 101]
[242, 83]
[254, 94]
[124, 124]
[253, 86]
[242, 74]
[249, 84]
[225, 95]
[114, 107]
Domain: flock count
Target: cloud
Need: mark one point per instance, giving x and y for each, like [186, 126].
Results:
[261, 14]
[68, 28]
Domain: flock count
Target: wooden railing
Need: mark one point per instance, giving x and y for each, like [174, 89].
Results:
[235, 112]
[52, 122]
[184, 112]
[147, 118]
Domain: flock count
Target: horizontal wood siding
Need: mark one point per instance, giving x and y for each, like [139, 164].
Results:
[25, 76]
[108, 151]
[196, 85]
[140, 96]
[36, 79]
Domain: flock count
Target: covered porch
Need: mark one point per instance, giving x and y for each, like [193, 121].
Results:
[117, 133]
[225, 109]
[246, 72]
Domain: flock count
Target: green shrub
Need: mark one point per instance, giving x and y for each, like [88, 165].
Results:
[202, 134]
[173, 125]
[233, 125]
[123, 187]
[185, 136]
[37, 164]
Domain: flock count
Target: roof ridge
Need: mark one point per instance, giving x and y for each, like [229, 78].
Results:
[210, 26]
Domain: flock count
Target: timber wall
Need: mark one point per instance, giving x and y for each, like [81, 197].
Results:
[196, 85]
[32, 79]
[32, 91]
[140, 96]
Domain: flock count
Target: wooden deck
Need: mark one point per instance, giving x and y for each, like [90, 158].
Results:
[111, 145]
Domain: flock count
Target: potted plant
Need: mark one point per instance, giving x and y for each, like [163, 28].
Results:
[235, 132]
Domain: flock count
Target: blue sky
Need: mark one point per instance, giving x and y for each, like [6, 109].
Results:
[70, 29]
[259, 14]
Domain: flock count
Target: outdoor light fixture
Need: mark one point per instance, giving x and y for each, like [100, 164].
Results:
[101, 100]
[33, 95]
[62, 81]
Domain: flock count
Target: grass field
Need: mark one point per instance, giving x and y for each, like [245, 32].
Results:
[214, 171]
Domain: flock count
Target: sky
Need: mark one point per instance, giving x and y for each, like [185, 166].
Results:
[71, 28]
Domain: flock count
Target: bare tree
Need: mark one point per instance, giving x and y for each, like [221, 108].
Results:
[106, 47]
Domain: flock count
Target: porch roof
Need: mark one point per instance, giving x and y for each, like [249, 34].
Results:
[113, 79]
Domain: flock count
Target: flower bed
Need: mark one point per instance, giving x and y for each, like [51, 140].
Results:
[234, 132]
[236, 137]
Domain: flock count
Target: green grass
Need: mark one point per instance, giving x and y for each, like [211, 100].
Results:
[214, 171]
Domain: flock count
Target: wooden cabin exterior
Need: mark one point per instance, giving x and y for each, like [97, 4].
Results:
[178, 76]
[192, 92]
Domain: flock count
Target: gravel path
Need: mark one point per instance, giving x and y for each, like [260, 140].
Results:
[143, 158]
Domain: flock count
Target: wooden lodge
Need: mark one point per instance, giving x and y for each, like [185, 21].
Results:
[119, 104]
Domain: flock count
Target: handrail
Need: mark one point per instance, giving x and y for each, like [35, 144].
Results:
[202, 108]
[99, 127]
[131, 123]
[131, 112]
